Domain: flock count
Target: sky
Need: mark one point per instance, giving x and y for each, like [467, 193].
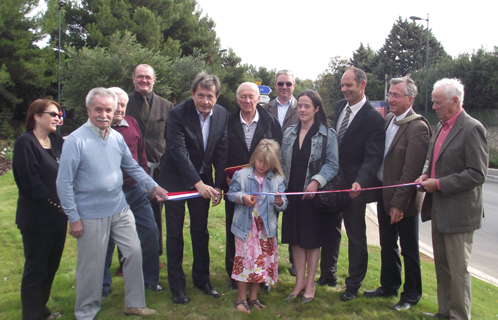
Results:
[304, 35]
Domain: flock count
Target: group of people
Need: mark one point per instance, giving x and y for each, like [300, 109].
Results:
[104, 182]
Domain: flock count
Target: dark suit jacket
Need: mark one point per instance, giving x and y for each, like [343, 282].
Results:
[268, 127]
[153, 132]
[362, 147]
[35, 172]
[185, 156]
[403, 163]
[291, 117]
[461, 168]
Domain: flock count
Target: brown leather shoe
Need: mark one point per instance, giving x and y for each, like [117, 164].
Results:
[139, 311]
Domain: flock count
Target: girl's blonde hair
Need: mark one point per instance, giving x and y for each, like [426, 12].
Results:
[269, 152]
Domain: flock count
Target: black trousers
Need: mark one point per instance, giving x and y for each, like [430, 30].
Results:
[354, 221]
[407, 230]
[43, 254]
[175, 216]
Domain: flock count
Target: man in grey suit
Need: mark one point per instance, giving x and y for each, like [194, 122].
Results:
[405, 152]
[150, 111]
[454, 202]
[284, 108]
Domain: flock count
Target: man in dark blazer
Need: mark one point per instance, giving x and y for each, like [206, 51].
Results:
[151, 112]
[284, 107]
[405, 152]
[360, 134]
[248, 122]
[453, 181]
[196, 140]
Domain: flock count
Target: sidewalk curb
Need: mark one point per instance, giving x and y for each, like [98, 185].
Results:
[371, 213]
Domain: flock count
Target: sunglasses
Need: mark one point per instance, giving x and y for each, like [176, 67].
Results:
[53, 114]
[281, 84]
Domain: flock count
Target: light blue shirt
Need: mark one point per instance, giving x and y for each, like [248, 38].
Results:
[282, 111]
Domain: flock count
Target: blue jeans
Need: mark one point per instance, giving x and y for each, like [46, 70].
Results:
[147, 233]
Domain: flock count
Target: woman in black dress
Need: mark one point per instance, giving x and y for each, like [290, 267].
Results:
[302, 227]
[39, 217]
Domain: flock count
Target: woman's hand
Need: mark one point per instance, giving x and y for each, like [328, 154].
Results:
[312, 187]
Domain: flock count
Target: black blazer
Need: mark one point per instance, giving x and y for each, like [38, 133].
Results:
[185, 156]
[362, 147]
[35, 172]
[268, 127]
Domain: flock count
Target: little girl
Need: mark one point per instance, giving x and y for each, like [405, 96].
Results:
[255, 222]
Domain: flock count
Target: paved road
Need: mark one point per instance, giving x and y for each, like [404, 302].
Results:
[484, 261]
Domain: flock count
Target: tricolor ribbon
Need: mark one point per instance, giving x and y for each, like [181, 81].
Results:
[194, 194]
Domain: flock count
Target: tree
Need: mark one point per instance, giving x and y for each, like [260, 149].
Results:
[25, 69]
[405, 48]
[173, 27]
[328, 84]
[88, 68]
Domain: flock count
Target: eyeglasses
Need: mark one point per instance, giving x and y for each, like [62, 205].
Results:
[281, 84]
[140, 77]
[395, 95]
[53, 114]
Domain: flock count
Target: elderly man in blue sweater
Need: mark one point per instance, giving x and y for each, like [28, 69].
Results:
[89, 185]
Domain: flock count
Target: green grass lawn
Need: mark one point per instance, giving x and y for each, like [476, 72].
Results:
[327, 304]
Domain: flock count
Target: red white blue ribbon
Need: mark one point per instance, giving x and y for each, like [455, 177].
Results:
[184, 195]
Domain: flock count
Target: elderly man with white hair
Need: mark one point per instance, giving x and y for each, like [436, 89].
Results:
[453, 181]
[137, 198]
[89, 185]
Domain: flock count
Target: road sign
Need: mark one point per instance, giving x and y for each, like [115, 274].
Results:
[264, 98]
[264, 89]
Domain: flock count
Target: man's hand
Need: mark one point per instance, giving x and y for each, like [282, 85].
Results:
[396, 215]
[160, 194]
[354, 194]
[207, 192]
[76, 228]
[430, 185]
[217, 198]
[312, 187]
[249, 201]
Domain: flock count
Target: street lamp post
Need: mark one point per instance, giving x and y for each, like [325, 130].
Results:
[62, 3]
[426, 62]
[214, 52]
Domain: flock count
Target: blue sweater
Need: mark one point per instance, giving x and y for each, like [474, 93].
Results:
[89, 181]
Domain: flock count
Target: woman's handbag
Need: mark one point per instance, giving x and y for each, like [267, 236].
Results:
[334, 201]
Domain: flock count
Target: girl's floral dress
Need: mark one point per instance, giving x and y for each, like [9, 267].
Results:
[256, 260]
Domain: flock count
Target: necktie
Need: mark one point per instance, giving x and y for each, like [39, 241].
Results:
[145, 109]
[344, 125]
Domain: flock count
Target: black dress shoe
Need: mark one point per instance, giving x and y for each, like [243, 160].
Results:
[155, 288]
[350, 294]
[331, 282]
[208, 290]
[435, 315]
[265, 286]
[380, 292]
[402, 305]
[292, 270]
[180, 297]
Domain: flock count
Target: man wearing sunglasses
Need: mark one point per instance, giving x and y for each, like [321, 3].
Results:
[150, 111]
[284, 108]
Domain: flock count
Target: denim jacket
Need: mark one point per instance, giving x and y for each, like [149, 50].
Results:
[243, 182]
[328, 171]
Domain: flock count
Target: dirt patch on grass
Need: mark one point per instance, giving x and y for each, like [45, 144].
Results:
[5, 165]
